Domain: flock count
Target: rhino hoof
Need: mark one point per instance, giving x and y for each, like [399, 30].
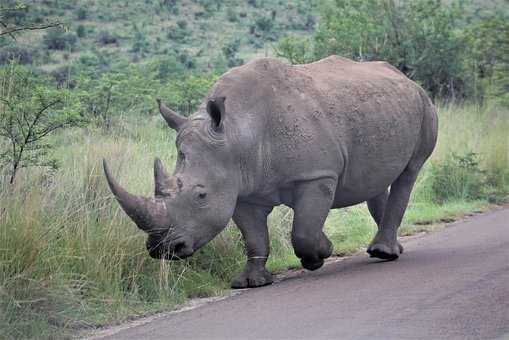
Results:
[252, 279]
[311, 265]
[384, 252]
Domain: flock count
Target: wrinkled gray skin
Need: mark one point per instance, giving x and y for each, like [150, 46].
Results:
[314, 137]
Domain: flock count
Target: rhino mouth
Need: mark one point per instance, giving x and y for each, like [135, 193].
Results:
[174, 250]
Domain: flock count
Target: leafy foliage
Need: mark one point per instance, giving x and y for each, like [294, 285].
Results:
[13, 20]
[297, 50]
[58, 39]
[29, 112]
[458, 178]
[425, 39]
[489, 57]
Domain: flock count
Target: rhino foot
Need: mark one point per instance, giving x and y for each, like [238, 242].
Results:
[384, 251]
[311, 265]
[311, 257]
[252, 278]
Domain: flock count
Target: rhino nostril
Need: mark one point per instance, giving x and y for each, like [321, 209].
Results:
[179, 246]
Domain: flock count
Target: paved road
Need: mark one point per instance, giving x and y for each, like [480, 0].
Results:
[452, 284]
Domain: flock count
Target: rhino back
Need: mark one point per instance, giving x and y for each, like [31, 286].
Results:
[358, 122]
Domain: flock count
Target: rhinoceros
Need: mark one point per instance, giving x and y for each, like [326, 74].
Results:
[314, 137]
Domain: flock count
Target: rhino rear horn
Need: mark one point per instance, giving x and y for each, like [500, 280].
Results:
[174, 120]
[161, 179]
[146, 213]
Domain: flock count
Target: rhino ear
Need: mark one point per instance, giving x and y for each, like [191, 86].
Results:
[215, 109]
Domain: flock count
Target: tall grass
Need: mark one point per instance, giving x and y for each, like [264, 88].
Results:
[71, 259]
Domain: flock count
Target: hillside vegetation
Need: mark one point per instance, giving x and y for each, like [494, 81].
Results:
[72, 261]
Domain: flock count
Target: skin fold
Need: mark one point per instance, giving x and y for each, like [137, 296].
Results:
[314, 137]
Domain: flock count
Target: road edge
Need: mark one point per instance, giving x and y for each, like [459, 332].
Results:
[278, 277]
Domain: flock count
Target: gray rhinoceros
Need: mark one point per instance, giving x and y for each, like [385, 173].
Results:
[325, 135]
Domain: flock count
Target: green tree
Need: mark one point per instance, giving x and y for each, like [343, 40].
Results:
[488, 59]
[29, 112]
[58, 39]
[186, 93]
[297, 50]
[419, 37]
[230, 50]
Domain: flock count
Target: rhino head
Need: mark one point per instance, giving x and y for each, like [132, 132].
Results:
[192, 206]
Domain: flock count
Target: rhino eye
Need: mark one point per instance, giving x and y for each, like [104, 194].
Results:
[181, 156]
[200, 196]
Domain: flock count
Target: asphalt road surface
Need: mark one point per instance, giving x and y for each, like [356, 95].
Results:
[451, 284]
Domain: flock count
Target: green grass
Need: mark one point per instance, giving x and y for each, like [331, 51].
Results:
[70, 259]
[154, 27]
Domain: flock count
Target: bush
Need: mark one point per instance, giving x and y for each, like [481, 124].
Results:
[81, 13]
[231, 15]
[170, 5]
[107, 38]
[458, 178]
[62, 77]
[295, 49]
[264, 24]
[177, 33]
[187, 60]
[140, 42]
[23, 54]
[81, 31]
[182, 24]
[230, 50]
[16, 16]
[167, 66]
[57, 39]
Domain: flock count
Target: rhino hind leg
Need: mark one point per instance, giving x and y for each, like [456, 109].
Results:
[252, 222]
[385, 244]
[376, 207]
[312, 202]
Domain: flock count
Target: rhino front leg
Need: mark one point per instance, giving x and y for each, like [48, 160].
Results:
[252, 222]
[312, 202]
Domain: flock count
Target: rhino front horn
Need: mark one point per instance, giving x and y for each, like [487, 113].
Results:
[148, 214]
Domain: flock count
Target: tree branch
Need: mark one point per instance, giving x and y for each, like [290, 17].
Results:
[12, 30]
[9, 33]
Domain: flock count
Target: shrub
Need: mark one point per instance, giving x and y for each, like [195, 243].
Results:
[81, 13]
[231, 15]
[81, 31]
[23, 54]
[106, 38]
[187, 60]
[140, 42]
[29, 112]
[230, 50]
[57, 39]
[459, 177]
[264, 24]
[170, 5]
[295, 49]
[177, 33]
[16, 16]
[182, 24]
